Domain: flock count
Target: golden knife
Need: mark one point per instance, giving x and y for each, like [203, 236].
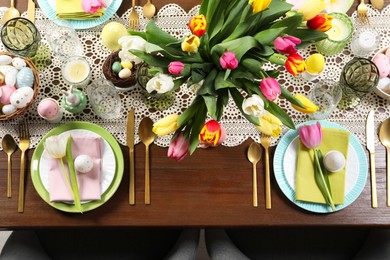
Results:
[130, 144]
[370, 139]
[31, 11]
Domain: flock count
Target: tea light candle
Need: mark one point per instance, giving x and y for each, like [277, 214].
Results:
[76, 71]
[339, 30]
[364, 41]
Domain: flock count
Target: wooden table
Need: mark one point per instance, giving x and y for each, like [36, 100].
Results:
[212, 188]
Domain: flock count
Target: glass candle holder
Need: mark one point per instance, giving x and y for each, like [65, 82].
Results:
[326, 94]
[364, 40]
[76, 71]
[358, 78]
[20, 37]
[338, 36]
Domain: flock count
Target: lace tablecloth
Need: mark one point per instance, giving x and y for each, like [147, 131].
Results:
[173, 19]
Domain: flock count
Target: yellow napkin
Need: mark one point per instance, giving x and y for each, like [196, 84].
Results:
[72, 10]
[306, 187]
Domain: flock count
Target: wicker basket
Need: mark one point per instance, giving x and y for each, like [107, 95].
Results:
[21, 111]
[118, 82]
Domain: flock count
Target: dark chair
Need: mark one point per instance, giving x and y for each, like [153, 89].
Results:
[101, 244]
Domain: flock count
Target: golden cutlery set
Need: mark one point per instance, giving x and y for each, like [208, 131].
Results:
[148, 10]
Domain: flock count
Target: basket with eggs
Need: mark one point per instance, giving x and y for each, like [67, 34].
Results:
[19, 83]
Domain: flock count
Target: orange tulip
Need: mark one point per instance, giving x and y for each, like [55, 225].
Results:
[295, 64]
[321, 22]
[198, 25]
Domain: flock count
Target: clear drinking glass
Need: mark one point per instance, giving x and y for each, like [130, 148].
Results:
[20, 37]
[358, 78]
[326, 94]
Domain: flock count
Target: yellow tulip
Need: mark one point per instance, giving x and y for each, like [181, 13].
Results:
[190, 44]
[311, 8]
[270, 125]
[166, 125]
[259, 5]
[309, 106]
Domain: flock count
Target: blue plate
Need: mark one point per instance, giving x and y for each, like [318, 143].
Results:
[48, 8]
[285, 165]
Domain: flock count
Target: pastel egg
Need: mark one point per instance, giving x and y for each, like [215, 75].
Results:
[5, 69]
[383, 64]
[384, 84]
[387, 53]
[10, 79]
[22, 97]
[334, 161]
[83, 163]
[127, 64]
[124, 74]
[25, 78]
[116, 67]
[48, 108]
[6, 92]
[18, 63]
[5, 60]
[8, 109]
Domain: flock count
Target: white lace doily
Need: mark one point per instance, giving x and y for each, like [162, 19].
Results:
[173, 19]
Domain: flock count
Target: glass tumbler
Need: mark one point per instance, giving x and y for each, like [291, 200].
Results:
[326, 94]
[104, 98]
[20, 37]
[358, 78]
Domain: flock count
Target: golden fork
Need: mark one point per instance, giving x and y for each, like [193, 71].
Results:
[24, 143]
[362, 13]
[133, 17]
[265, 141]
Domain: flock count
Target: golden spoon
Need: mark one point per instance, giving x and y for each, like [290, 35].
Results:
[378, 4]
[9, 147]
[12, 12]
[254, 155]
[147, 137]
[384, 137]
[149, 10]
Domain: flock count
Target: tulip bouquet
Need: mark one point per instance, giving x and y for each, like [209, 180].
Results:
[231, 40]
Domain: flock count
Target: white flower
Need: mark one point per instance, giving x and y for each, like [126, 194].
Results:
[55, 146]
[338, 6]
[131, 43]
[161, 83]
[253, 106]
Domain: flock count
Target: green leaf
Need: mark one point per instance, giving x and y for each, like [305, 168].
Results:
[152, 60]
[220, 81]
[242, 73]
[268, 36]
[281, 114]
[211, 104]
[239, 46]
[189, 112]
[156, 35]
[242, 28]
[137, 33]
[289, 23]
[293, 100]
[197, 124]
[207, 87]
[178, 82]
[222, 101]
[238, 99]
[276, 9]
[308, 36]
[72, 173]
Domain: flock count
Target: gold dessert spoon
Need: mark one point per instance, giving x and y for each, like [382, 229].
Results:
[147, 137]
[9, 147]
[11, 12]
[384, 137]
[149, 10]
[254, 155]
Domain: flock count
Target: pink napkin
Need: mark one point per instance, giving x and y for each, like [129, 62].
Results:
[89, 183]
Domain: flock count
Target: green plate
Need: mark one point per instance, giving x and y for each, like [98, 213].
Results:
[40, 188]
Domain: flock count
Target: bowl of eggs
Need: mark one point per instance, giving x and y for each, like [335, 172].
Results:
[382, 61]
[19, 83]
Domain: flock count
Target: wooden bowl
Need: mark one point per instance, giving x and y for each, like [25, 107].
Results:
[21, 111]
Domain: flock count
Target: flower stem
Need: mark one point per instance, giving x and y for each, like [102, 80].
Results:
[328, 195]
[278, 59]
[65, 172]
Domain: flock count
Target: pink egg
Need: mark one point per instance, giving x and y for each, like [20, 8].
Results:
[48, 108]
[383, 64]
[387, 53]
[6, 93]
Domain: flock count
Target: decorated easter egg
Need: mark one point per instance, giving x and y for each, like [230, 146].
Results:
[8, 109]
[124, 73]
[6, 92]
[18, 63]
[111, 33]
[10, 79]
[5, 60]
[2, 79]
[334, 161]
[48, 108]
[5, 69]
[116, 67]
[21, 97]
[25, 78]
[315, 63]
[383, 64]
[127, 64]
[83, 163]
[384, 84]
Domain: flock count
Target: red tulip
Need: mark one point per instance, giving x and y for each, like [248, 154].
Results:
[198, 25]
[295, 64]
[212, 134]
[321, 22]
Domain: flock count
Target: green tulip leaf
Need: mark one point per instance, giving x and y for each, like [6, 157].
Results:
[267, 37]
[281, 114]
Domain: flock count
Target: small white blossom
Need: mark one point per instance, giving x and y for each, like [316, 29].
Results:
[131, 43]
[253, 106]
[161, 83]
[55, 146]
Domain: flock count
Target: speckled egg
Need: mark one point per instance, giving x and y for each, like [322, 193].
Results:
[8, 109]
[48, 108]
[116, 67]
[6, 69]
[6, 93]
[83, 163]
[10, 79]
[383, 64]
[5, 60]
[22, 97]
[18, 63]
[334, 161]
[127, 65]
[25, 78]
[124, 73]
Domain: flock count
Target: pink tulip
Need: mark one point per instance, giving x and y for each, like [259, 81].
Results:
[92, 6]
[311, 135]
[175, 67]
[179, 147]
[228, 60]
[286, 44]
[270, 88]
